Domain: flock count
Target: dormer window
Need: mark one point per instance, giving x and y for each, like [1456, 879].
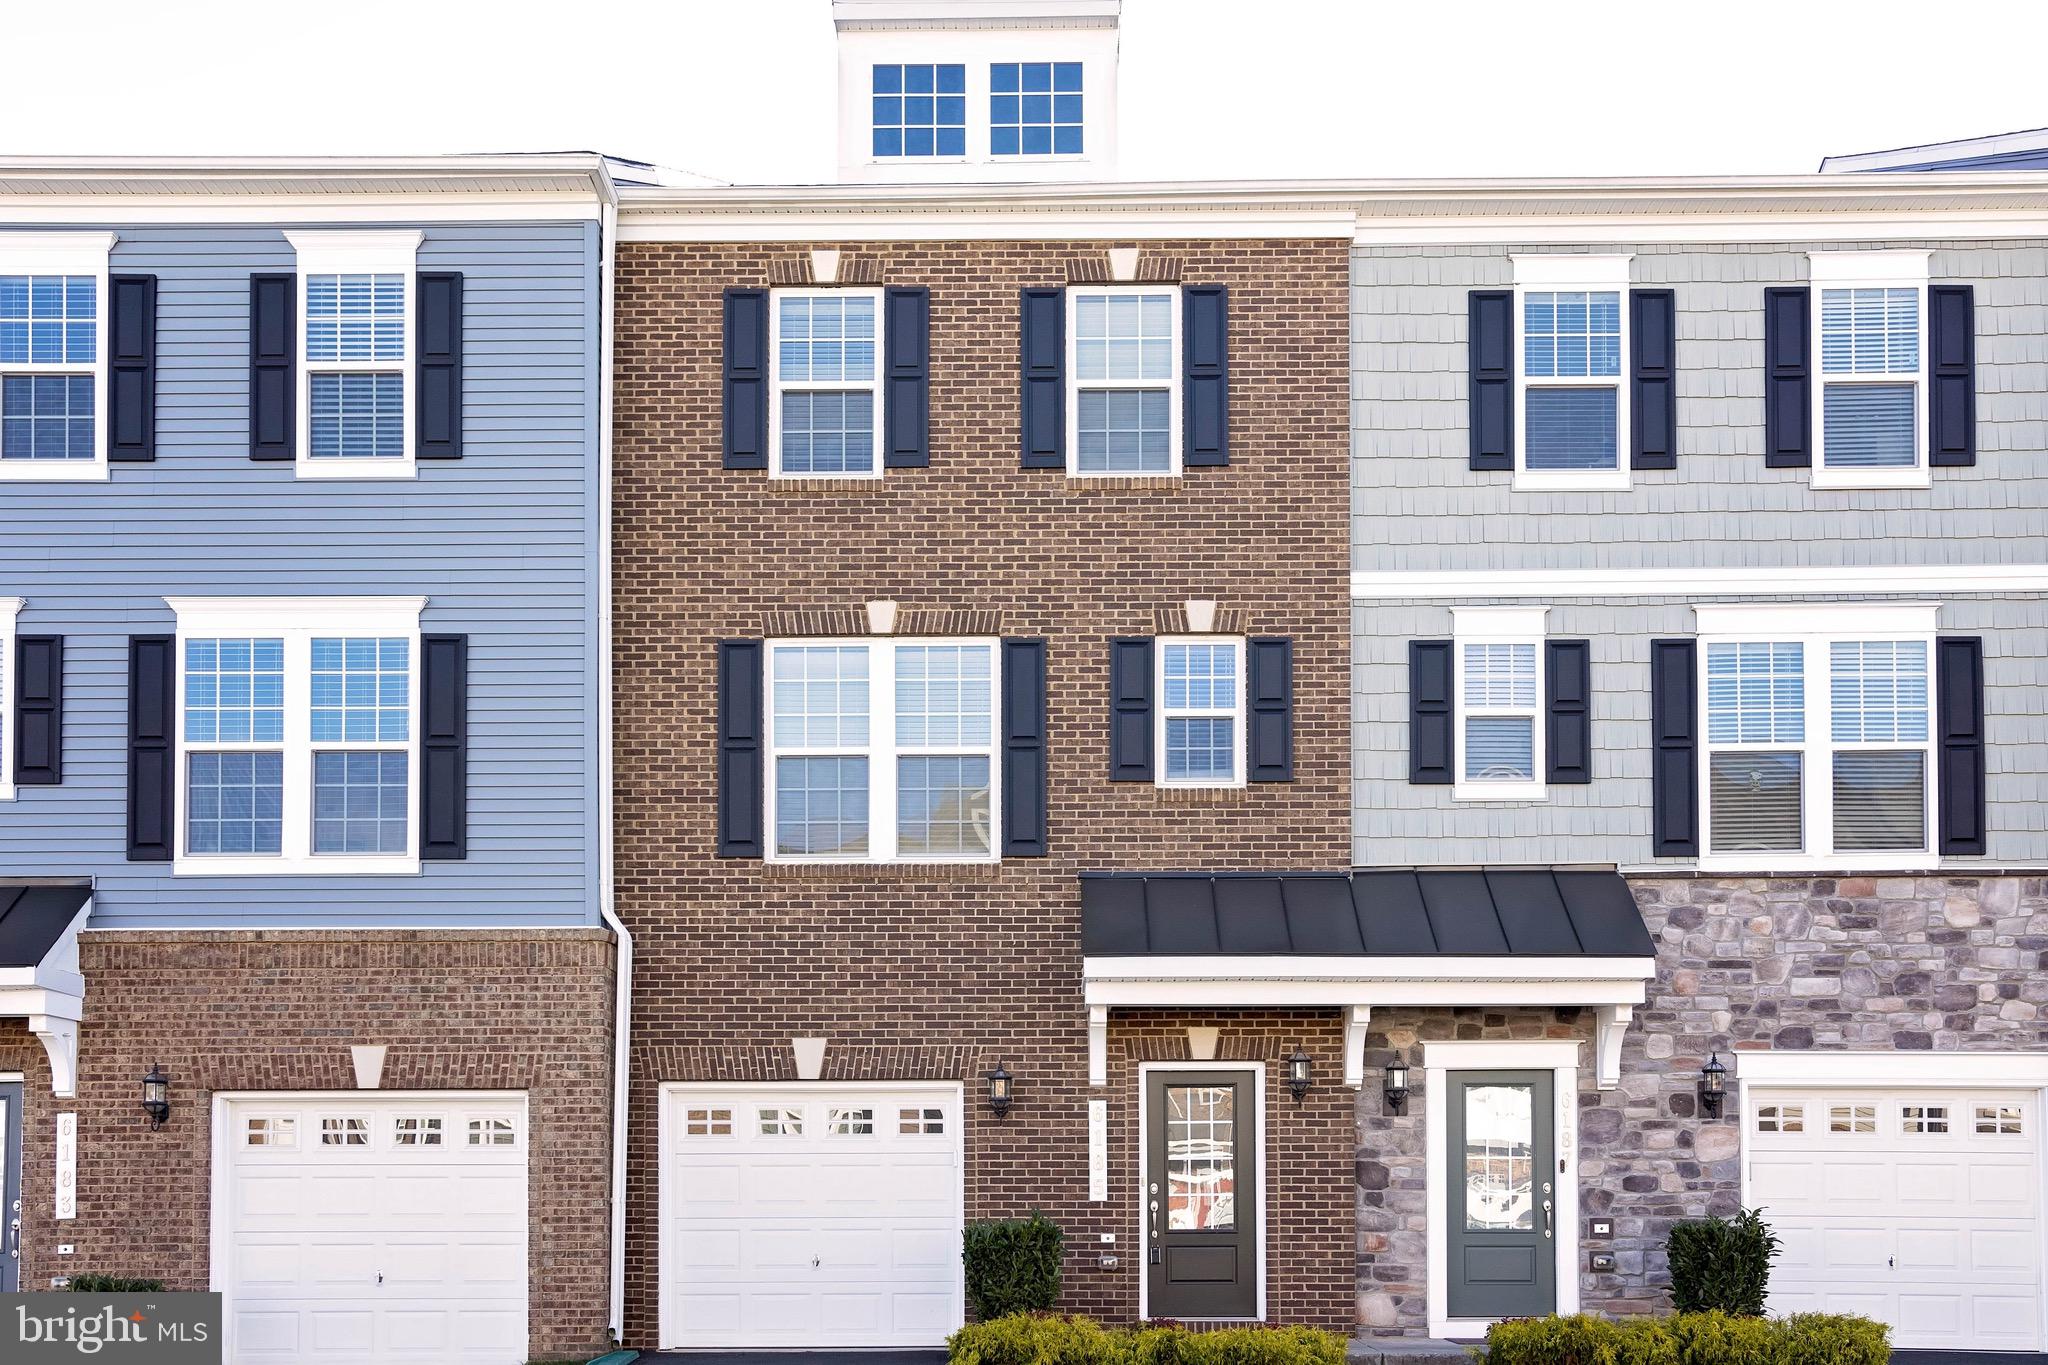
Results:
[1034, 109]
[920, 109]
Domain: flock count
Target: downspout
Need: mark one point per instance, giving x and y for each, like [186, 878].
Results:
[622, 1020]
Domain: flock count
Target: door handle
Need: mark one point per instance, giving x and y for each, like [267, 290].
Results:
[1153, 1253]
[1546, 1218]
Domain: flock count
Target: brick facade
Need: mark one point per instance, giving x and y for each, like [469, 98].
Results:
[942, 971]
[277, 1010]
[1943, 963]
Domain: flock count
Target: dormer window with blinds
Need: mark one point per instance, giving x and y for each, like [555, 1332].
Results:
[1870, 401]
[1818, 734]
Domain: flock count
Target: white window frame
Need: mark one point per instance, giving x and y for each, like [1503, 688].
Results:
[297, 621]
[1815, 627]
[1075, 385]
[1498, 626]
[357, 253]
[1571, 273]
[65, 253]
[10, 608]
[777, 385]
[1236, 712]
[882, 750]
[1868, 270]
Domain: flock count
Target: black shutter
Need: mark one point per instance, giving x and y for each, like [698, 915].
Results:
[1952, 375]
[444, 747]
[1490, 396]
[39, 710]
[273, 365]
[438, 378]
[152, 732]
[1568, 711]
[1432, 723]
[1043, 371]
[1269, 709]
[1205, 376]
[1024, 749]
[740, 802]
[1788, 392]
[131, 368]
[746, 379]
[1959, 703]
[1130, 710]
[906, 377]
[1674, 743]
[1653, 397]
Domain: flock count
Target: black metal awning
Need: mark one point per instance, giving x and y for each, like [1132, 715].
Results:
[1519, 912]
[33, 916]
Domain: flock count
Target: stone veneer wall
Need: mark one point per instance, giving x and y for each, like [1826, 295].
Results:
[1946, 963]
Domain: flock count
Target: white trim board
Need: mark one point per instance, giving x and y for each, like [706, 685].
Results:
[1949, 1070]
[1258, 1073]
[1552, 584]
[937, 223]
[1561, 1059]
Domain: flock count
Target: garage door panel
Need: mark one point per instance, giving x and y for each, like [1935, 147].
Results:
[335, 1330]
[1779, 1179]
[266, 1334]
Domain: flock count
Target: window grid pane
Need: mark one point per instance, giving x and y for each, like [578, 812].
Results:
[1123, 337]
[234, 802]
[1500, 675]
[825, 339]
[1870, 331]
[1571, 335]
[1756, 693]
[1500, 748]
[1754, 803]
[46, 417]
[1125, 431]
[828, 433]
[361, 690]
[234, 691]
[1869, 426]
[1881, 801]
[1879, 690]
[1571, 428]
[355, 317]
[942, 806]
[1034, 109]
[1201, 748]
[49, 320]
[1201, 677]
[944, 695]
[358, 416]
[821, 807]
[821, 697]
[360, 800]
[920, 110]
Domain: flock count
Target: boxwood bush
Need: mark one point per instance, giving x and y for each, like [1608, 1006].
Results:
[1046, 1339]
[1012, 1265]
[1690, 1339]
[1722, 1264]
[93, 1283]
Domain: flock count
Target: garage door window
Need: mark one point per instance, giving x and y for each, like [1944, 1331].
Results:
[920, 1121]
[1852, 1118]
[853, 1122]
[708, 1123]
[344, 1132]
[1998, 1120]
[412, 1131]
[492, 1133]
[1781, 1118]
[1924, 1118]
[781, 1122]
[271, 1130]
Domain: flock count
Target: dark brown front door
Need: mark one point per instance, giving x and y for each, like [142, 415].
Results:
[1201, 1193]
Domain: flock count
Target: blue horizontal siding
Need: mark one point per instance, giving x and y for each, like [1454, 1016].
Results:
[503, 543]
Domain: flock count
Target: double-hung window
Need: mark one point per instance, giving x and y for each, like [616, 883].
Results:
[1870, 401]
[53, 355]
[1201, 736]
[1571, 409]
[825, 415]
[882, 750]
[297, 733]
[1818, 734]
[1499, 695]
[1123, 412]
[919, 109]
[356, 380]
[10, 607]
[1034, 109]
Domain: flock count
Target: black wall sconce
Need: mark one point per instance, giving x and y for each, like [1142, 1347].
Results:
[156, 1096]
[999, 1090]
[1713, 1086]
[1298, 1077]
[1397, 1087]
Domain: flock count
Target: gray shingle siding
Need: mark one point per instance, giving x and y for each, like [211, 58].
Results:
[503, 543]
[1608, 820]
[1721, 507]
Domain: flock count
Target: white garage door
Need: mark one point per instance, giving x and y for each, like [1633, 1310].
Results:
[798, 1216]
[374, 1230]
[1920, 1208]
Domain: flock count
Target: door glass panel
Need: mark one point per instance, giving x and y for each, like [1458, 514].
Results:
[1201, 1158]
[1500, 1138]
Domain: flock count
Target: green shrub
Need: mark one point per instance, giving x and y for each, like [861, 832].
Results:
[1013, 1265]
[1722, 1264]
[1045, 1339]
[113, 1284]
[1689, 1339]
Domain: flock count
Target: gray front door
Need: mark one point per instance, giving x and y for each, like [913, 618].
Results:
[1201, 1192]
[10, 1187]
[1502, 1203]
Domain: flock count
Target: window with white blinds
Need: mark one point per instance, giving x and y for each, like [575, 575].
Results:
[1869, 308]
[1571, 373]
[1499, 700]
[1818, 746]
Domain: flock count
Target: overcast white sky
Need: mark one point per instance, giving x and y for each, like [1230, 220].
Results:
[743, 89]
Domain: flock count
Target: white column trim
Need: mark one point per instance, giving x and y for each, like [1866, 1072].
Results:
[1098, 1045]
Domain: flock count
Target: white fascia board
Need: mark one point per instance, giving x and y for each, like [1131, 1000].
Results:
[313, 208]
[1997, 144]
[1073, 223]
[1551, 585]
[1322, 982]
[1868, 1069]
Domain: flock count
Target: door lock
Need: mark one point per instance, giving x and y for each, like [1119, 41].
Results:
[1546, 1216]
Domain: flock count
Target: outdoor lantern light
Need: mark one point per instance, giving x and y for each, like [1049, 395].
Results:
[1298, 1080]
[156, 1096]
[999, 1090]
[1713, 1086]
[1397, 1086]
